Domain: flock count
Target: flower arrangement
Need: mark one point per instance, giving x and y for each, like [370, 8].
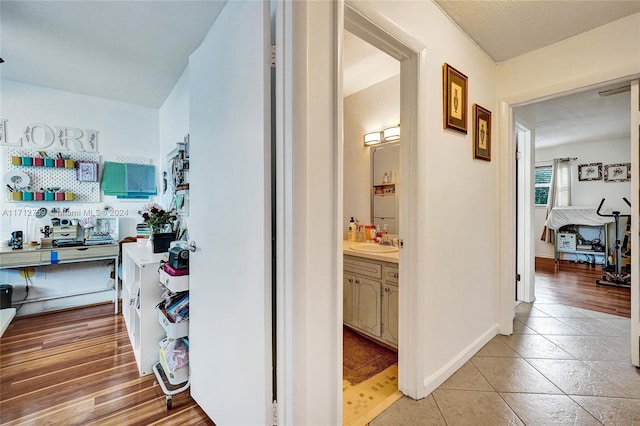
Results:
[158, 219]
[87, 222]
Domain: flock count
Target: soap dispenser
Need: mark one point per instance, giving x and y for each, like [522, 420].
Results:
[352, 230]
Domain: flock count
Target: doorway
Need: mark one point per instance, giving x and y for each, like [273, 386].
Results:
[409, 347]
[587, 131]
[371, 110]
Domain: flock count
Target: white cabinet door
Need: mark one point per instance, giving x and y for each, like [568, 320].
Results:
[384, 206]
[368, 305]
[349, 300]
[230, 219]
[390, 314]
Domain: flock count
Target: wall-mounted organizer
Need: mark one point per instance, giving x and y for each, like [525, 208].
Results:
[34, 174]
[129, 178]
[175, 178]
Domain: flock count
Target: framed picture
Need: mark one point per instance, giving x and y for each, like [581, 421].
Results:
[617, 172]
[87, 172]
[591, 171]
[481, 133]
[454, 93]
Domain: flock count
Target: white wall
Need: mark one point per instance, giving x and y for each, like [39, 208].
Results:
[125, 129]
[173, 126]
[173, 119]
[369, 110]
[586, 193]
[606, 53]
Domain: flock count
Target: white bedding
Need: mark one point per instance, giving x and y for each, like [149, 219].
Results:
[561, 216]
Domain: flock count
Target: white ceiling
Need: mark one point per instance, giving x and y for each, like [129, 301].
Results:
[364, 65]
[132, 51]
[505, 29]
[580, 117]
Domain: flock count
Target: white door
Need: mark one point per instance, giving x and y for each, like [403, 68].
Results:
[230, 284]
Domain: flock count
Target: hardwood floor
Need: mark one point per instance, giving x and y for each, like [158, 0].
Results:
[573, 284]
[77, 368]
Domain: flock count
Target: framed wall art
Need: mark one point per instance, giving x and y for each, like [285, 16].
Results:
[481, 133]
[591, 171]
[454, 93]
[617, 172]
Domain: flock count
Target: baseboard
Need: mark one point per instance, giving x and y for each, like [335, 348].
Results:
[432, 382]
[545, 256]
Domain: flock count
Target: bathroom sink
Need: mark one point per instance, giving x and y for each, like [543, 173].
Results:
[373, 248]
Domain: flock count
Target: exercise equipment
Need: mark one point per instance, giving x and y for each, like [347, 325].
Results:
[614, 274]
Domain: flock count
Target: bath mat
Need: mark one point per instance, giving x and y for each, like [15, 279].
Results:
[363, 402]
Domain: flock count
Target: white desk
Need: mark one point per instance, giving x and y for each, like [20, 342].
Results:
[37, 256]
[6, 315]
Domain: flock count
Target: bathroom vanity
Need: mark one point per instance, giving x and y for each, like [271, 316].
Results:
[370, 294]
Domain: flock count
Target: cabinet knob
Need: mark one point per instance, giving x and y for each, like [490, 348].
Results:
[350, 280]
[395, 275]
[357, 281]
[387, 290]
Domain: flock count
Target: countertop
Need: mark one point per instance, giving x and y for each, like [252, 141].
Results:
[384, 257]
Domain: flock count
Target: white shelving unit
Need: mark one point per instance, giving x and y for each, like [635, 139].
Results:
[141, 292]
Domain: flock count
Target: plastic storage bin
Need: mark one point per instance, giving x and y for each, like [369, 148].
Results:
[174, 283]
[175, 376]
[173, 329]
[566, 241]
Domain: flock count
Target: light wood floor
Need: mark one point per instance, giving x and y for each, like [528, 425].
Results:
[77, 368]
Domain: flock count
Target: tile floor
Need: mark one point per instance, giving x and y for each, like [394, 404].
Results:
[562, 366]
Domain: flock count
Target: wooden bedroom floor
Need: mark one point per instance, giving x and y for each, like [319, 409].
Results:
[77, 368]
[573, 284]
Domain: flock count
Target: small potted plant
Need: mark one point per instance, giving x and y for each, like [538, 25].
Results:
[162, 224]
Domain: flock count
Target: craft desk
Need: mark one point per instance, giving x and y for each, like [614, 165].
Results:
[38, 256]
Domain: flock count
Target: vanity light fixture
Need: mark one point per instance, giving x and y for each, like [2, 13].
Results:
[391, 134]
[372, 138]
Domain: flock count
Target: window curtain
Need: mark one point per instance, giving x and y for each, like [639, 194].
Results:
[559, 193]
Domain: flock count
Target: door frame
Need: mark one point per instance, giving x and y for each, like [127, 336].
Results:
[370, 26]
[635, 224]
[525, 210]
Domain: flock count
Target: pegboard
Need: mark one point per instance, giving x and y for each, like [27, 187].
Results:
[133, 160]
[54, 177]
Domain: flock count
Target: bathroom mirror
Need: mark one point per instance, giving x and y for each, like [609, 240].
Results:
[385, 161]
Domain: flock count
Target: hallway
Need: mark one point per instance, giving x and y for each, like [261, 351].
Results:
[562, 366]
